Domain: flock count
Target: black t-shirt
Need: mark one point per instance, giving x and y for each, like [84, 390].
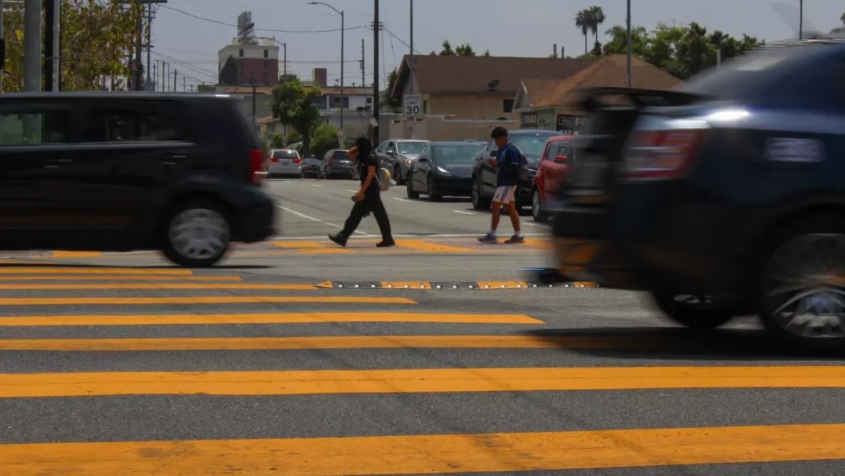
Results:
[363, 169]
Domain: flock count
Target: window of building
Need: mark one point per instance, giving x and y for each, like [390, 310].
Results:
[369, 101]
[425, 106]
[335, 102]
[241, 53]
[507, 105]
[33, 129]
[266, 54]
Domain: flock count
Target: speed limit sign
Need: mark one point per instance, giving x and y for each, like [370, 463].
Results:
[411, 105]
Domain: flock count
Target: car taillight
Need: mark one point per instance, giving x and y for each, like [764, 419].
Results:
[256, 165]
[661, 154]
[273, 159]
[297, 160]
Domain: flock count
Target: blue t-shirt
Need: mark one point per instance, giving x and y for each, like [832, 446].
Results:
[508, 159]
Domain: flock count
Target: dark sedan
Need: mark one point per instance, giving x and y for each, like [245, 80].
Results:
[311, 167]
[443, 169]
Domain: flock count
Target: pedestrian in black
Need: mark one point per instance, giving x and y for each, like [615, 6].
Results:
[368, 198]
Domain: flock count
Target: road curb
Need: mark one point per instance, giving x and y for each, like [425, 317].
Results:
[444, 285]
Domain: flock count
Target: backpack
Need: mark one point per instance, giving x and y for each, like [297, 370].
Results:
[383, 179]
[524, 171]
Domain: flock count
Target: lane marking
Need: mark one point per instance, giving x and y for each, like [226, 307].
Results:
[502, 285]
[264, 318]
[76, 254]
[401, 199]
[405, 284]
[352, 191]
[305, 343]
[151, 286]
[433, 454]
[326, 251]
[316, 185]
[301, 215]
[132, 301]
[122, 278]
[413, 235]
[307, 217]
[464, 213]
[430, 247]
[469, 380]
[94, 270]
[297, 244]
[538, 243]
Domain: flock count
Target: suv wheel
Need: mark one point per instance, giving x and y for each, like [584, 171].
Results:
[431, 189]
[695, 312]
[537, 208]
[801, 283]
[409, 189]
[397, 173]
[478, 202]
[197, 234]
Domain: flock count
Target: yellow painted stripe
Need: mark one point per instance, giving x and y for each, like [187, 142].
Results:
[301, 343]
[113, 301]
[92, 270]
[325, 251]
[310, 382]
[76, 254]
[152, 286]
[430, 247]
[533, 242]
[40, 262]
[186, 279]
[502, 284]
[431, 454]
[282, 318]
[406, 284]
[297, 244]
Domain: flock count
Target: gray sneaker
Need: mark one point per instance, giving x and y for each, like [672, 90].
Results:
[488, 238]
[514, 240]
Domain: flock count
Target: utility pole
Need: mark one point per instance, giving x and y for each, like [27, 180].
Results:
[630, 81]
[175, 75]
[155, 74]
[3, 53]
[163, 76]
[342, 49]
[139, 44]
[411, 67]
[376, 102]
[800, 19]
[32, 46]
[285, 48]
[52, 12]
[184, 82]
[252, 82]
[149, 44]
[363, 67]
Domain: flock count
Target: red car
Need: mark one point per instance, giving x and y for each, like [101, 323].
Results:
[551, 174]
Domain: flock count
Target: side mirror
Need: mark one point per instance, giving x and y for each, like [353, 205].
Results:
[560, 159]
[391, 152]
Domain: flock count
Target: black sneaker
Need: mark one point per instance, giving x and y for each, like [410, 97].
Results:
[385, 244]
[488, 238]
[514, 240]
[339, 239]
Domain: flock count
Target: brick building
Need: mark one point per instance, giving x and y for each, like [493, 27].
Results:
[259, 60]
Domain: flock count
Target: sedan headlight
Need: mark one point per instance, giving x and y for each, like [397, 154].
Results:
[409, 161]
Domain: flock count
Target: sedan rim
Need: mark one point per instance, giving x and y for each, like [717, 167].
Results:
[535, 204]
[199, 233]
[804, 286]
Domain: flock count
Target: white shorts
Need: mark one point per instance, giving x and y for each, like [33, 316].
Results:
[504, 195]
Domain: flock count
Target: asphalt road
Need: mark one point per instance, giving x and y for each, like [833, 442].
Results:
[444, 359]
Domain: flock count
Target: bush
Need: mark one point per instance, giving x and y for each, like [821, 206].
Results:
[325, 139]
[293, 137]
[277, 141]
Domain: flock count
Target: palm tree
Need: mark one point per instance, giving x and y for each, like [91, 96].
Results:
[596, 19]
[583, 21]
[842, 18]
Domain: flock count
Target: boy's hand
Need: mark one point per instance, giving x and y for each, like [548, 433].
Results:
[493, 162]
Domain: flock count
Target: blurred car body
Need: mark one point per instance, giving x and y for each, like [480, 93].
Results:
[312, 167]
[126, 171]
[723, 198]
[552, 173]
[284, 162]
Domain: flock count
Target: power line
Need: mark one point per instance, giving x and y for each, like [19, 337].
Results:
[210, 20]
[171, 60]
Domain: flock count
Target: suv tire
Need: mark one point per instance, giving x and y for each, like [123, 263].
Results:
[692, 315]
[537, 207]
[197, 234]
[478, 202]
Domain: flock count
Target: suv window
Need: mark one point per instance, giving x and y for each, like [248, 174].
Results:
[285, 154]
[34, 128]
[130, 124]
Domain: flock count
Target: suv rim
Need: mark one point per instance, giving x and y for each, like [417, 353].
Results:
[475, 193]
[535, 204]
[199, 233]
[804, 286]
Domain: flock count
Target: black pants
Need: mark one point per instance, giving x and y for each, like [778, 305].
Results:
[371, 203]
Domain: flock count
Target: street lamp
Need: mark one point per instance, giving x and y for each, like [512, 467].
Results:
[800, 19]
[251, 83]
[342, 29]
[284, 46]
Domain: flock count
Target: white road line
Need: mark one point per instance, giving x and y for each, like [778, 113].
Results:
[333, 225]
[316, 185]
[353, 191]
[300, 214]
[418, 237]
[464, 213]
[401, 199]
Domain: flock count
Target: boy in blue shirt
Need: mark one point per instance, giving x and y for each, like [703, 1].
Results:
[507, 180]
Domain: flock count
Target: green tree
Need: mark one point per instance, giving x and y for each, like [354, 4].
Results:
[292, 138]
[461, 50]
[596, 18]
[486, 53]
[97, 38]
[464, 50]
[583, 22]
[325, 139]
[394, 104]
[293, 105]
[447, 49]
[841, 28]
[277, 141]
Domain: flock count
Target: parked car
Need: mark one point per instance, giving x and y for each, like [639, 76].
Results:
[442, 169]
[124, 171]
[531, 143]
[722, 198]
[397, 155]
[337, 164]
[312, 167]
[284, 163]
[552, 173]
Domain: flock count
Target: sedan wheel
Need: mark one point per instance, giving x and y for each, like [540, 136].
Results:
[197, 236]
[695, 312]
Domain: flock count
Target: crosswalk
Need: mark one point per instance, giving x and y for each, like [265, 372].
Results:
[140, 371]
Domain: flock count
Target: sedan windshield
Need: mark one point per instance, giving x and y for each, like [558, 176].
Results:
[455, 154]
[411, 147]
[532, 145]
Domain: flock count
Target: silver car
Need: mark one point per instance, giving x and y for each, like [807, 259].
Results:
[281, 162]
[397, 155]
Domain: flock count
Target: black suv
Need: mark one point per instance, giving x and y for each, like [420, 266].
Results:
[128, 171]
[531, 142]
[723, 198]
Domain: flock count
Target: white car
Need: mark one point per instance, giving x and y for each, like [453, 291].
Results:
[283, 162]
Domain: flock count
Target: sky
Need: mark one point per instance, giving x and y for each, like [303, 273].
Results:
[188, 33]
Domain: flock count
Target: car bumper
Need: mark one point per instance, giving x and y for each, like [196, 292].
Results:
[454, 186]
[257, 221]
[314, 172]
[281, 169]
[341, 172]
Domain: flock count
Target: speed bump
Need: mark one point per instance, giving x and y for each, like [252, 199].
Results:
[443, 285]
